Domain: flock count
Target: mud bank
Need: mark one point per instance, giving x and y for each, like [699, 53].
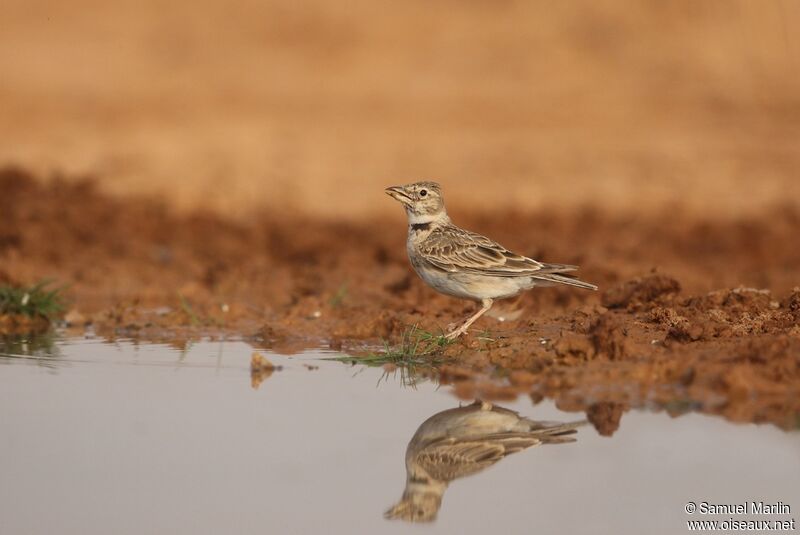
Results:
[693, 314]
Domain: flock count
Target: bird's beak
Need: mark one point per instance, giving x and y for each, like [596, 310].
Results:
[399, 194]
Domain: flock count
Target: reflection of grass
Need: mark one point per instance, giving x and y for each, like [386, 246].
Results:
[42, 345]
[681, 406]
[409, 375]
[32, 301]
[418, 351]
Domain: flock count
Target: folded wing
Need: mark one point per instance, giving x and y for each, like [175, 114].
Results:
[453, 249]
[450, 459]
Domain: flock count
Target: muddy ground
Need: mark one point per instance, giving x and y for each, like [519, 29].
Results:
[693, 314]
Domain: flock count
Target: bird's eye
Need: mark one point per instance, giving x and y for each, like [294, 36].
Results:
[423, 192]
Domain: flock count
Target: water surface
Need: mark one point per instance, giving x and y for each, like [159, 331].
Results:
[124, 438]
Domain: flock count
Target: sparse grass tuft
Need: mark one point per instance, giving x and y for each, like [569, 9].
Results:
[337, 299]
[32, 301]
[417, 347]
[188, 310]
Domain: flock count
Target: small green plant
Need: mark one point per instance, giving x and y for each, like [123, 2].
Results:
[416, 357]
[188, 310]
[486, 335]
[33, 301]
[417, 347]
[337, 298]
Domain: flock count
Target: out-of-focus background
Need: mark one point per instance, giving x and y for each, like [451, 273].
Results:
[317, 106]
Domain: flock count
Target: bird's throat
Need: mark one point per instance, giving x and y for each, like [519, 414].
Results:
[425, 222]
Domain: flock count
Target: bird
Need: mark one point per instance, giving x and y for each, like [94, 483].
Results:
[463, 441]
[464, 264]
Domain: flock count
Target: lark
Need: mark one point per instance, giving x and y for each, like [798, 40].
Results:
[463, 441]
[464, 264]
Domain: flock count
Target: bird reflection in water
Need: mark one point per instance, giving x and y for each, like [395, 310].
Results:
[463, 441]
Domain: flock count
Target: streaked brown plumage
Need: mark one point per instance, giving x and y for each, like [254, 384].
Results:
[463, 441]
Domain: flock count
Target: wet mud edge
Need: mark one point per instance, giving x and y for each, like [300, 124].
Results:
[693, 314]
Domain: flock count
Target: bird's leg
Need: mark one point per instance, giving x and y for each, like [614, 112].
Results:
[487, 304]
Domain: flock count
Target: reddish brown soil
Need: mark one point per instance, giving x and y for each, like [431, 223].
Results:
[693, 314]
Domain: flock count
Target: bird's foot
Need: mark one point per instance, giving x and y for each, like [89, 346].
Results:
[456, 333]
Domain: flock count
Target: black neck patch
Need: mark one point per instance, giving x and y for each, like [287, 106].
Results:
[420, 226]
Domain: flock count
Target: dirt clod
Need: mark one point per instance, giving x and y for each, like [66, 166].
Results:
[641, 292]
[609, 336]
[260, 369]
[605, 417]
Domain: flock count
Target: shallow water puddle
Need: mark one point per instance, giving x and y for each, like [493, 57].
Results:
[143, 438]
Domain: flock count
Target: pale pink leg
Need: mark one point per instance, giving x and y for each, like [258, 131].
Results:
[487, 304]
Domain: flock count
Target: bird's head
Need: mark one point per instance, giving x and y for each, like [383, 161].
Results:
[416, 507]
[423, 201]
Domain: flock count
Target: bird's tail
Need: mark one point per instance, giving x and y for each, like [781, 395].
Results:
[559, 274]
[555, 433]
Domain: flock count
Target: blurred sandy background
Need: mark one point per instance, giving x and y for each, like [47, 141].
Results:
[320, 105]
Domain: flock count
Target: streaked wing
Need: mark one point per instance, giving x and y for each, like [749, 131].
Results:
[453, 249]
[450, 459]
